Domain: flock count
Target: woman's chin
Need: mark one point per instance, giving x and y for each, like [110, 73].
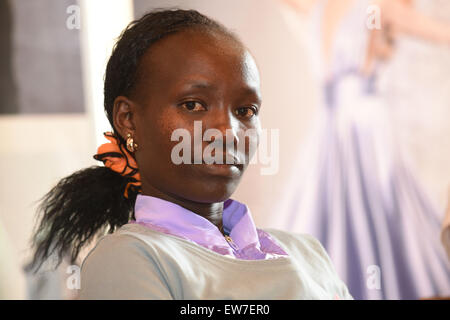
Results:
[211, 192]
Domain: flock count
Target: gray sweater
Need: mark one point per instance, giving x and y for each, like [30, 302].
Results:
[136, 262]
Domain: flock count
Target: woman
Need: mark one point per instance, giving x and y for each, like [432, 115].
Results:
[176, 234]
[357, 196]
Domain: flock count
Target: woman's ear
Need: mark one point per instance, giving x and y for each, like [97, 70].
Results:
[124, 116]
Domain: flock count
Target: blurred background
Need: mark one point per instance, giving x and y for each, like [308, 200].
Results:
[52, 119]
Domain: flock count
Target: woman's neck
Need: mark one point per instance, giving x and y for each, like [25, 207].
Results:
[210, 211]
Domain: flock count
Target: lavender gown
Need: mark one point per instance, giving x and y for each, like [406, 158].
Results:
[357, 195]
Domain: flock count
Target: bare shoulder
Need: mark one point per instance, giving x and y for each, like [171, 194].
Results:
[391, 8]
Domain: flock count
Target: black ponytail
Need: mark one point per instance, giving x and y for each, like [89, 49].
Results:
[91, 202]
[87, 203]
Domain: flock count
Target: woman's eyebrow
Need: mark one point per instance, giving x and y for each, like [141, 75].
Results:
[199, 85]
[250, 91]
[247, 90]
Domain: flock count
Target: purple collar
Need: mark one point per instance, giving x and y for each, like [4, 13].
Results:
[171, 218]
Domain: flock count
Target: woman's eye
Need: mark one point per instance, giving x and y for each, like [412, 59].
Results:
[193, 106]
[246, 112]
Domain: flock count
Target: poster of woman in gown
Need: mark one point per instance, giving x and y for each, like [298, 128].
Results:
[355, 190]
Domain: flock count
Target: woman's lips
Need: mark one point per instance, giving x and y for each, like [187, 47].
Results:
[226, 170]
[232, 169]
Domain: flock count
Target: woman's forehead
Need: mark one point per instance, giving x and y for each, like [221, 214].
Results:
[211, 57]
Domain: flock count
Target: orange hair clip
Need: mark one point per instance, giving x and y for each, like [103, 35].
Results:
[117, 158]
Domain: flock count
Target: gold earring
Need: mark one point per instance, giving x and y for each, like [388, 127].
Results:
[131, 146]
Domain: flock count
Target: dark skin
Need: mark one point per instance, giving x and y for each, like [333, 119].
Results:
[190, 76]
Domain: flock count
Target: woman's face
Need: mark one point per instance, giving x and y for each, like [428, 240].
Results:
[190, 80]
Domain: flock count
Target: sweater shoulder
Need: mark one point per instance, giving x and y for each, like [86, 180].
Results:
[117, 244]
[121, 266]
[312, 257]
[299, 242]
[306, 249]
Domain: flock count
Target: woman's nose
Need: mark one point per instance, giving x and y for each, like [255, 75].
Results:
[225, 122]
[228, 126]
